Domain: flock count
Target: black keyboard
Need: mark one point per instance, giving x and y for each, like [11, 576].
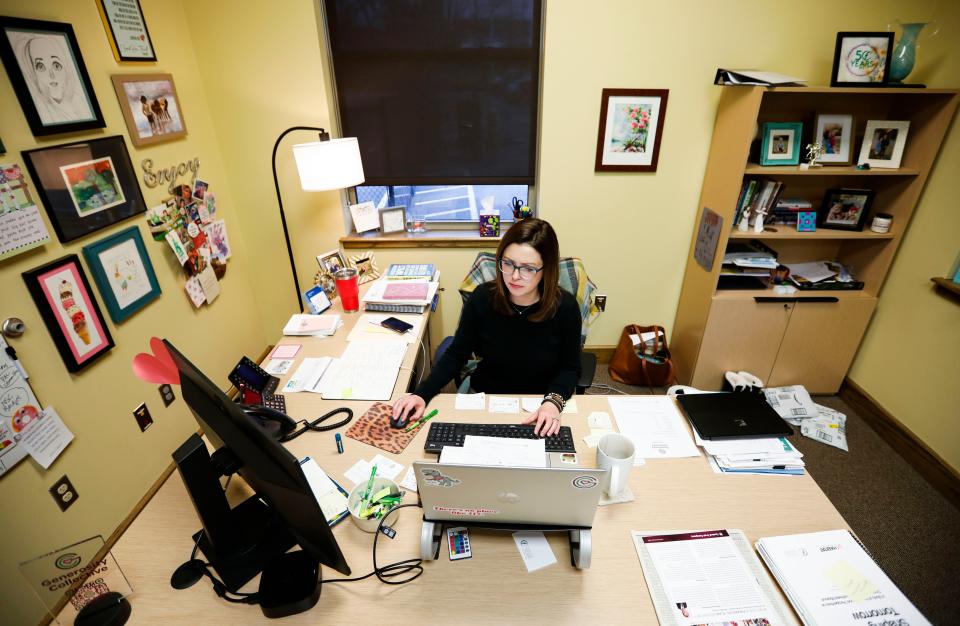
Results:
[450, 434]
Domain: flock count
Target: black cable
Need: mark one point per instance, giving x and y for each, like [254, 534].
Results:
[312, 426]
[393, 569]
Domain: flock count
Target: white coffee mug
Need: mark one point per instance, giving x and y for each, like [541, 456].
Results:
[615, 454]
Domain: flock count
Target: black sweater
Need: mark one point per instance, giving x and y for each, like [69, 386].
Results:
[517, 355]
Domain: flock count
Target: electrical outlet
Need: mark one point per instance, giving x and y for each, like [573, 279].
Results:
[63, 493]
[601, 302]
[166, 393]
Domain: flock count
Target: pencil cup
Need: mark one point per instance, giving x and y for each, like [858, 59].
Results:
[348, 289]
[615, 454]
[353, 502]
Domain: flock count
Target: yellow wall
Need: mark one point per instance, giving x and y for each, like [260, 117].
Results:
[111, 463]
[246, 75]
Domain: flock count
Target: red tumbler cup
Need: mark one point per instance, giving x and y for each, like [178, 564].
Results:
[347, 289]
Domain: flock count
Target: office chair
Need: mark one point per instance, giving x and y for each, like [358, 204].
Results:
[573, 279]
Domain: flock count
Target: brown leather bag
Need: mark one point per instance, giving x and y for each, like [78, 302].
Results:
[653, 369]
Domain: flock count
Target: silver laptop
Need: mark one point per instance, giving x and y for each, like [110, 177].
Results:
[509, 495]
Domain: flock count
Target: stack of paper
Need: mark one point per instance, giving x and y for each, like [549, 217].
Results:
[306, 325]
[830, 578]
[829, 427]
[766, 455]
[498, 451]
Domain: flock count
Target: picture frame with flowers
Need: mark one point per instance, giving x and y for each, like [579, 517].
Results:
[631, 128]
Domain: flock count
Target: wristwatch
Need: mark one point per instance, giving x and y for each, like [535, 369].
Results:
[556, 399]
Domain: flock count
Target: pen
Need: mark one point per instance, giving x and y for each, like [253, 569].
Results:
[339, 443]
[420, 421]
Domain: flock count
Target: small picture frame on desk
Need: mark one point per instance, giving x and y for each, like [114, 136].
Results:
[862, 59]
[845, 209]
[780, 143]
[331, 262]
[393, 219]
[883, 143]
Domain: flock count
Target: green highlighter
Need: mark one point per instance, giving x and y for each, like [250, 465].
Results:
[420, 421]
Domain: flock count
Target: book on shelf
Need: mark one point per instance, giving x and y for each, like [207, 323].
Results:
[426, 272]
[832, 580]
[823, 275]
[755, 77]
[757, 195]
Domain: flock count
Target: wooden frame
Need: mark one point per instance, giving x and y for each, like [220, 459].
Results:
[150, 107]
[780, 144]
[834, 212]
[879, 148]
[389, 214]
[366, 266]
[61, 174]
[623, 139]
[128, 40]
[48, 75]
[123, 273]
[62, 294]
[862, 59]
[331, 261]
[824, 127]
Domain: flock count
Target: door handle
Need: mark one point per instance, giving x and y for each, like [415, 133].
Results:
[773, 300]
[830, 299]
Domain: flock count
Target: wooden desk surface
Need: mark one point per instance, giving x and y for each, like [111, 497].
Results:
[493, 587]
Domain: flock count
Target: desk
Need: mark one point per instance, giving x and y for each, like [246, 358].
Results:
[493, 587]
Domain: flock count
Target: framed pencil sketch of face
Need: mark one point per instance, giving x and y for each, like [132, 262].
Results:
[62, 294]
[331, 262]
[393, 219]
[47, 72]
[844, 209]
[862, 59]
[150, 107]
[85, 186]
[835, 134]
[883, 143]
[631, 127]
[781, 143]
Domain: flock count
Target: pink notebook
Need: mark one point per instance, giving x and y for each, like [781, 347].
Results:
[406, 291]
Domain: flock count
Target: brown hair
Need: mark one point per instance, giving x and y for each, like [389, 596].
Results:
[540, 236]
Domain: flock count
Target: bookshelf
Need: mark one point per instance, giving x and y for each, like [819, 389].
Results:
[809, 337]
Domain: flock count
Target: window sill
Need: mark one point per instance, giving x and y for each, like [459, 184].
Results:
[429, 239]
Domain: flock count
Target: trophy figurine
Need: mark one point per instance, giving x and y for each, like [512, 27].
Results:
[814, 152]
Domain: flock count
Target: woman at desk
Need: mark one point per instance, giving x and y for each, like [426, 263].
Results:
[524, 329]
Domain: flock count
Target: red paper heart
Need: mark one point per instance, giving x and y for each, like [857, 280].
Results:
[157, 367]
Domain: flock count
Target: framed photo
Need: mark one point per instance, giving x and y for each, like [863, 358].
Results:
[47, 72]
[365, 216]
[883, 143]
[393, 219]
[62, 294]
[631, 125]
[844, 209]
[326, 281]
[126, 30]
[331, 262]
[85, 186]
[862, 59]
[366, 266]
[123, 273]
[150, 107]
[835, 134]
[781, 143]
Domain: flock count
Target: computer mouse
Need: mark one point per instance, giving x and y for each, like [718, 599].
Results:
[398, 422]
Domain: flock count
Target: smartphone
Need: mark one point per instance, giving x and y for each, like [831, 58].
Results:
[398, 326]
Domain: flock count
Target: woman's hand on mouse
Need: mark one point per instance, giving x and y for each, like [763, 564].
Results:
[547, 418]
[409, 408]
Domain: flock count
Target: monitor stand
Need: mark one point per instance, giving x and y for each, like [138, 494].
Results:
[239, 542]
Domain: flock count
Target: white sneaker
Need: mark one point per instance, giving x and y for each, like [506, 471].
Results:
[679, 390]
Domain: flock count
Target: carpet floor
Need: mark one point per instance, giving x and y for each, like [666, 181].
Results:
[911, 530]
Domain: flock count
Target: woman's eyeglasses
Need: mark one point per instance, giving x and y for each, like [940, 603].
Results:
[526, 271]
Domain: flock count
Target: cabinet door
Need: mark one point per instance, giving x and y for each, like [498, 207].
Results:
[820, 342]
[742, 333]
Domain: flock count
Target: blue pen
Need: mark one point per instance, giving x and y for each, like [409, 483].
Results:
[339, 443]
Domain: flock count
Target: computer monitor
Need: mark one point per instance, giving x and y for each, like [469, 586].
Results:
[273, 473]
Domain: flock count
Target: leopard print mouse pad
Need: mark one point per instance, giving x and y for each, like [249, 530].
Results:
[374, 428]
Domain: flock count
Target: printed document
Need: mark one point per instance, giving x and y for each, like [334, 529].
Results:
[497, 451]
[367, 370]
[707, 577]
[655, 426]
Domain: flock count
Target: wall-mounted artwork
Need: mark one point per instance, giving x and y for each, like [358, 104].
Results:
[631, 126]
[150, 107]
[127, 30]
[122, 270]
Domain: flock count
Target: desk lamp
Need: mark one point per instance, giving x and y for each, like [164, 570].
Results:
[323, 165]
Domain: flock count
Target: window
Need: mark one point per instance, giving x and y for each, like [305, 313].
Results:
[443, 98]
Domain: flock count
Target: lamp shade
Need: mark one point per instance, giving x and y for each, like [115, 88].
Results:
[326, 165]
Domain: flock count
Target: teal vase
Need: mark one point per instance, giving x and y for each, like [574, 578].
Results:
[905, 52]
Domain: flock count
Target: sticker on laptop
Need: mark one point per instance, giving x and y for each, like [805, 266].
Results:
[585, 482]
[462, 512]
[436, 478]
[569, 457]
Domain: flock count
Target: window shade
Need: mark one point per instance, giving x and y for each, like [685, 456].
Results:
[439, 92]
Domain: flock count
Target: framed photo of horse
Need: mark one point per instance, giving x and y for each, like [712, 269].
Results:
[150, 107]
